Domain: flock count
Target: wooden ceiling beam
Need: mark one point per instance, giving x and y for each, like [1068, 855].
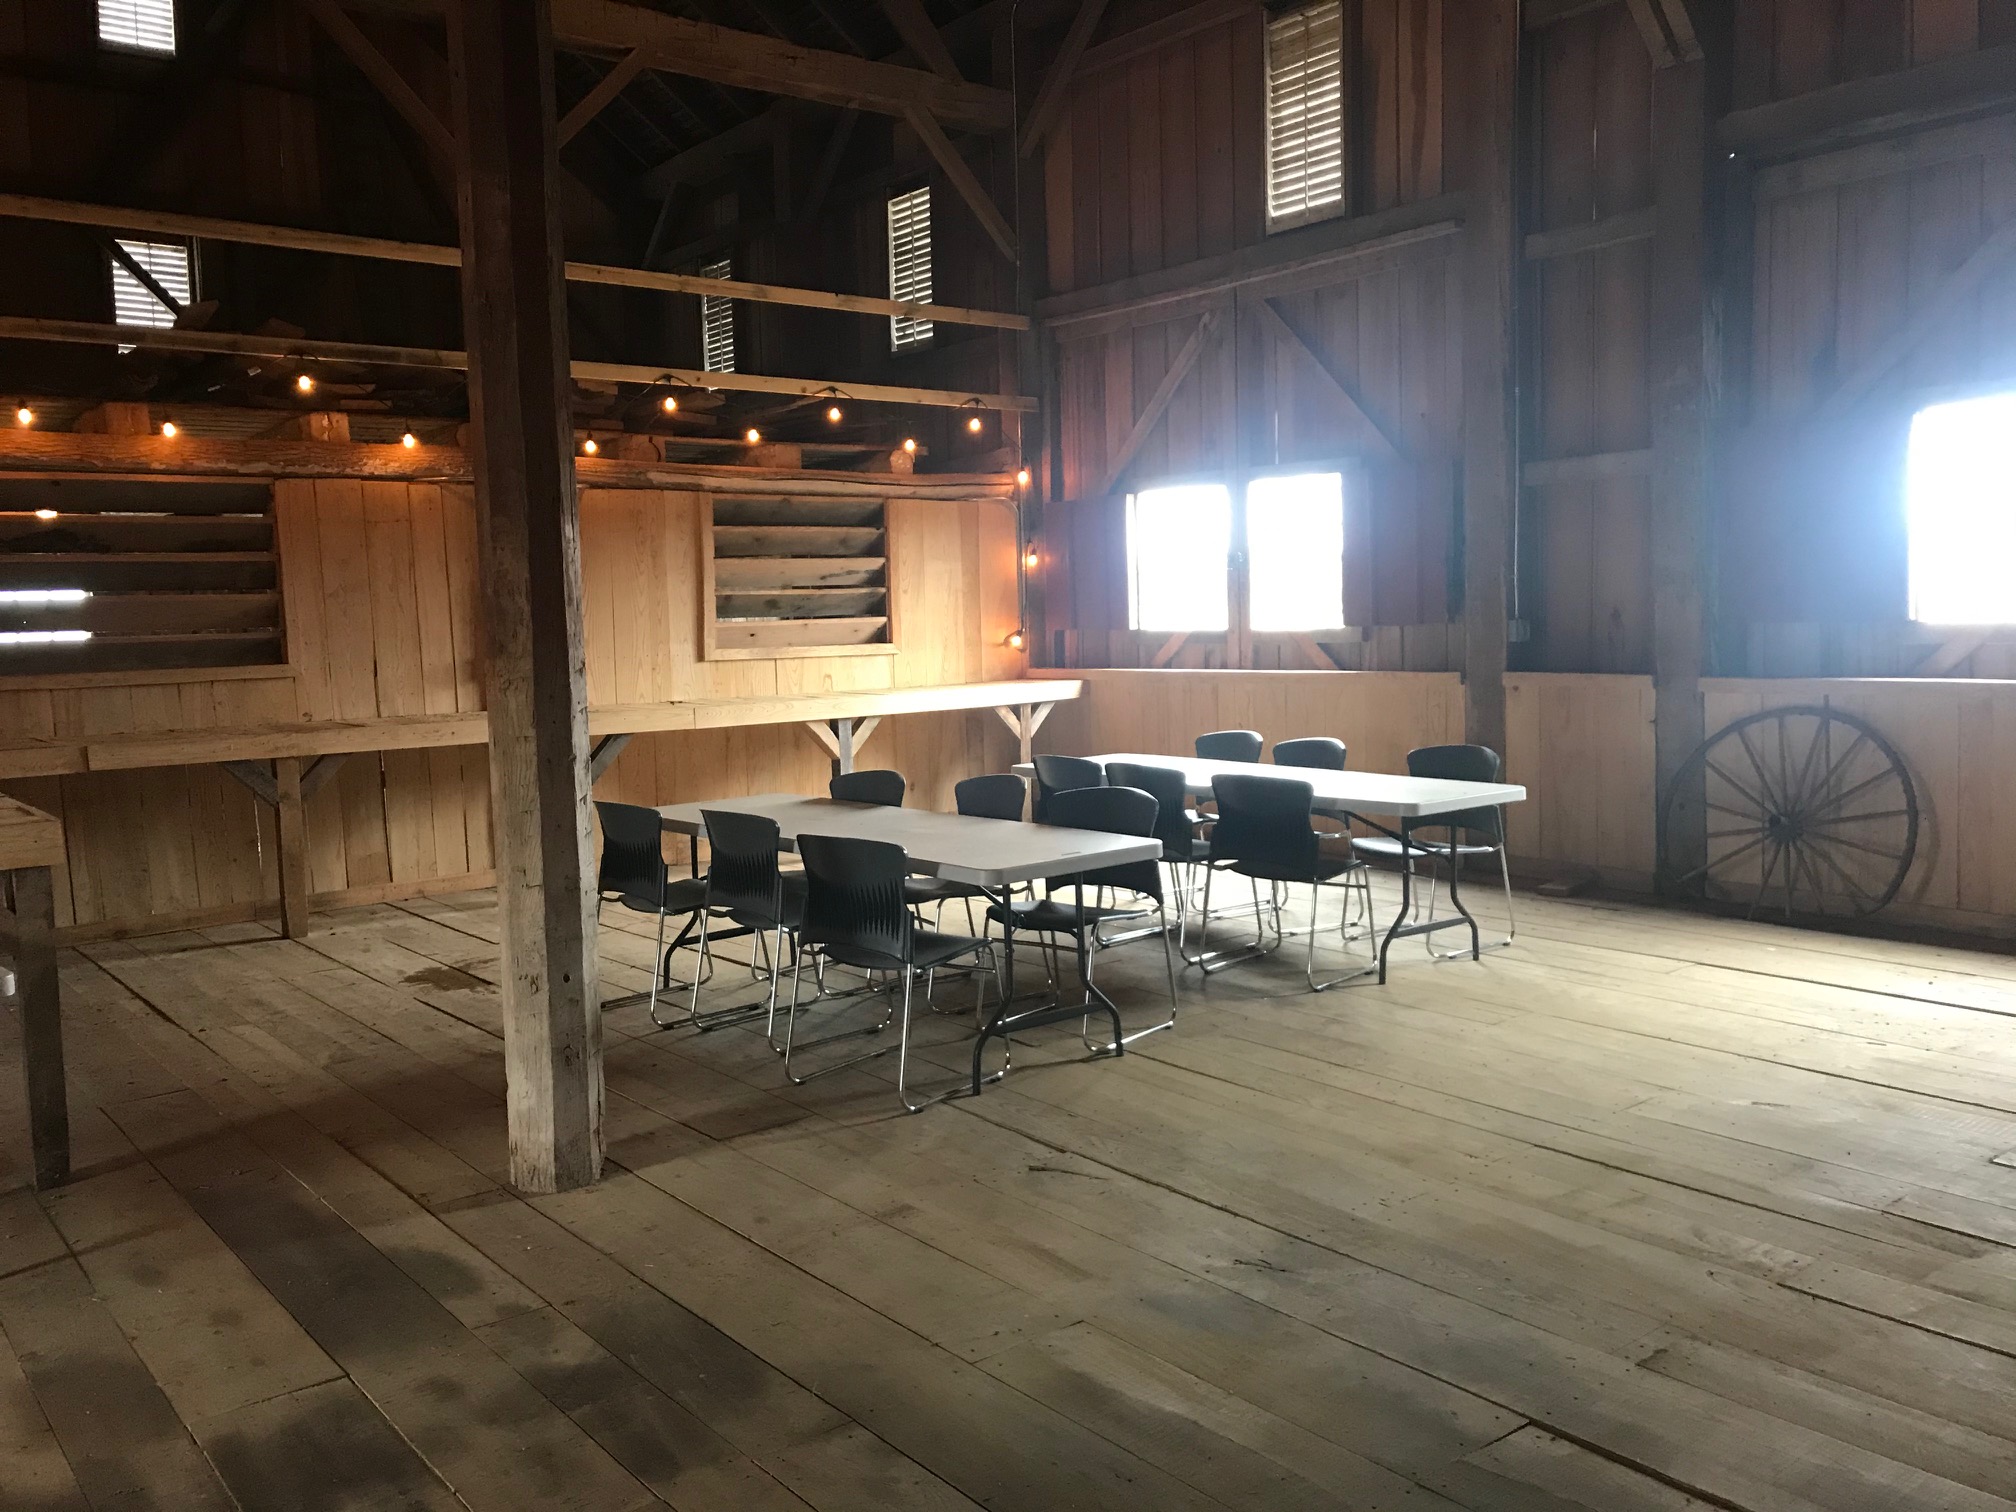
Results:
[1864, 108]
[966, 182]
[921, 35]
[388, 81]
[288, 348]
[217, 228]
[1049, 106]
[599, 98]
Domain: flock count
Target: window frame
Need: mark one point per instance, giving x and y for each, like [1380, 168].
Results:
[926, 332]
[1924, 401]
[1329, 209]
[724, 268]
[135, 49]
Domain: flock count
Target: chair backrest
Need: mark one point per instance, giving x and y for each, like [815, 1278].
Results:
[998, 795]
[1060, 774]
[1111, 811]
[1172, 802]
[742, 875]
[1230, 745]
[854, 900]
[1311, 751]
[878, 787]
[1460, 763]
[633, 854]
[1263, 827]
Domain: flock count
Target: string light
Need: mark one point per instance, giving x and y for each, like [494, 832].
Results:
[24, 416]
[910, 444]
[1016, 640]
[833, 413]
[589, 447]
[752, 435]
[973, 425]
[305, 384]
[168, 429]
[669, 404]
[409, 440]
[45, 514]
[1031, 560]
[1021, 477]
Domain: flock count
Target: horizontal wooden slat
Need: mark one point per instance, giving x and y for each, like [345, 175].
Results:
[754, 634]
[28, 837]
[138, 496]
[138, 571]
[114, 653]
[757, 511]
[162, 532]
[149, 613]
[795, 540]
[751, 573]
[801, 603]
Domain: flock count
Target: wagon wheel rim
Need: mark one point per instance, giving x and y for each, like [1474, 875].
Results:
[1809, 811]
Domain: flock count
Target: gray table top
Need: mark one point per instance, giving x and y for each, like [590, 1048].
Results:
[985, 852]
[1358, 792]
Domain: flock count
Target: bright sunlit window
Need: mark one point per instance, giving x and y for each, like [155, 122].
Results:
[133, 303]
[137, 25]
[1178, 541]
[910, 264]
[1960, 500]
[1295, 552]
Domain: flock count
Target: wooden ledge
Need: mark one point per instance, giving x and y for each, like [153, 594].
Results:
[28, 837]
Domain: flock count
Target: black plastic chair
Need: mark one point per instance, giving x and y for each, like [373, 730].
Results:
[1063, 774]
[1175, 827]
[1110, 811]
[882, 788]
[1264, 833]
[1311, 751]
[746, 885]
[1230, 745]
[1469, 832]
[999, 795]
[633, 873]
[855, 916]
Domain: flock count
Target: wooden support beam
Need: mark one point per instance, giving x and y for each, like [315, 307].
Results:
[256, 777]
[749, 60]
[1487, 128]
[708, 159]
[293, 826]
[965, 181]
[1023, 721]
[920, 33]
[249, 233]
[604, 755]
[388, 81]
[837, 138]
[1683, 353]
[1591, 236]
[514, 310]
[315, 776]
[1158, 402]
[1056, 87]
[1542, 471]
[843, 745]
[598, 99]
[1169, 649]
[822, 732]
[40, 1006]
[1879, 105]
[1947, 656]
[149, 338]
[1284, 331]
[1947, 301]
[1537, 15]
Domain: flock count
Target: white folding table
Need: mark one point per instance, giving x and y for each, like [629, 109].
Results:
[992, 854]
[1357, 795]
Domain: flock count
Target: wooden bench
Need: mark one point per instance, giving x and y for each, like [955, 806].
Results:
[284, 764]
[31, 847]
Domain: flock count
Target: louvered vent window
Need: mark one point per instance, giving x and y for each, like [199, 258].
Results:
[717, 323]
[796, 577]
[133, 303]
[1305, 114]
[137, 25]
[910, 264]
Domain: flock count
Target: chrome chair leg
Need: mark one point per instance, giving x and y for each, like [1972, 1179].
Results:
[1434, 879]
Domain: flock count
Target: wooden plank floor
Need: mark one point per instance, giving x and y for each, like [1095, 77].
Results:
[1650, 1212]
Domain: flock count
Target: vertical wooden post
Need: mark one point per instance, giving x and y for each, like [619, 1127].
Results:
[514, 322]
[41, 1023]
[843, 739]
[293, 822]
[1684, 345]
[1485, 36]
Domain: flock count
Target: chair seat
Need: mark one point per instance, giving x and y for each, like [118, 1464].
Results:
[1048, 916]
[928, 949]
[687, 895]
[937, 890]
[1327, 869]
[1198, 850]
[1382, 845]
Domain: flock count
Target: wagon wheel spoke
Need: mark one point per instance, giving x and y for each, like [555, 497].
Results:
[1764, 886]
[1757, 766]
[1853, 886]
[1723, 860]
[1857, 818]
[1841, 762]
[1855, 792]
[1806, 766]
[1762, 808]
[1870, 850]
[1723, 808]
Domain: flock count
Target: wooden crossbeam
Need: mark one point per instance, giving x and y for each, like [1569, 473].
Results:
[1145, 422]
[920, 35]
[316, 775]
[389, 82]
[149, 338]
[249, 233]
[965, 181]
[1049, 106]
[597, 99]
[1168, 650]
[603, 754]
[1591, 236]
[1272, 317]
[1946, 657]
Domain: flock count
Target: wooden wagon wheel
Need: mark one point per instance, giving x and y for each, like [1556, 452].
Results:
[1810, 812]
